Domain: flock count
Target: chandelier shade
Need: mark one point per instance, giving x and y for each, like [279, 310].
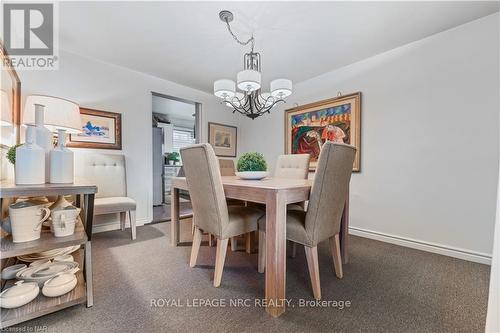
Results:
[224, 88]
[281, 88]
[248, 80]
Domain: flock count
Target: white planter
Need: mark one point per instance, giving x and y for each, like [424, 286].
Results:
[30, 161]
[252, 175]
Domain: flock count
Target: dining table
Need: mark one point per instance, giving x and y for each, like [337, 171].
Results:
[276, 194]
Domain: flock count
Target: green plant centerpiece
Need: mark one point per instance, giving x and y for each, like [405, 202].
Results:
[252, 165]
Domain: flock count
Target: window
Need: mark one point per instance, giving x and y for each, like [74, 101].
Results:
[182, 137]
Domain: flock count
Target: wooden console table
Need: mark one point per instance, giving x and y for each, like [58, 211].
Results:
[83, 233]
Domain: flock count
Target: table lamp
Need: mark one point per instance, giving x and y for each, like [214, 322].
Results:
[55, 114]
[6, 109]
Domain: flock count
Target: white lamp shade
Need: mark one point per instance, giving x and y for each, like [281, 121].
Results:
[6, 109]
[224, 88]
[236, 100]
[281, 88]
[59, 113]
[248, 80]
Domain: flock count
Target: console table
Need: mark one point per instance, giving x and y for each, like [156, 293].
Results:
[9, 250]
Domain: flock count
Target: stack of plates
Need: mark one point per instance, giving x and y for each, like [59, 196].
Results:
[50, 254]
[44, 272]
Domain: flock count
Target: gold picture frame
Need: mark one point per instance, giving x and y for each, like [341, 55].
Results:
[10, 86]
[337, 119]
[223, 138]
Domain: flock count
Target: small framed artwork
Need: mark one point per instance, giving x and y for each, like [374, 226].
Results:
[100, 129]
[223, 138]
[309, 126]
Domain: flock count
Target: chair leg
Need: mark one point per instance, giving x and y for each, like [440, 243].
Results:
[131, 216]
[192, 225]
[294, 249]
[123, 217]
[248, 242]
[210, 240]
[220, 257]
[313, 265]
[234, 244]
[337, 257]
[196, 247]
[262, 251]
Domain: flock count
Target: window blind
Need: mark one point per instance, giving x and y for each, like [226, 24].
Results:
[181, 138]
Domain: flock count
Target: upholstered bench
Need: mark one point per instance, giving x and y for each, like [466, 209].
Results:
[108, 172]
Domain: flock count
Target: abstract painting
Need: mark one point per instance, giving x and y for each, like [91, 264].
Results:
[308, 127]
[100, 129]
[223, 139]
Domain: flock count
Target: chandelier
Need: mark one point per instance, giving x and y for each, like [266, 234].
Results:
[249, 100]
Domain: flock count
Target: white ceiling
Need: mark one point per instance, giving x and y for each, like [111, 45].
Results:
[174, 109]
[186, 43]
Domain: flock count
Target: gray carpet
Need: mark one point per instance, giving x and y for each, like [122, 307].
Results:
[391, 289]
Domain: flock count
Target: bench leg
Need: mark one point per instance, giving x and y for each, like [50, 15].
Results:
[123, 217]
[131, 215]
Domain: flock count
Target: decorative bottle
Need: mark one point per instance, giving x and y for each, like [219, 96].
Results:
[30, 160]
[43, 137]
[61, 161]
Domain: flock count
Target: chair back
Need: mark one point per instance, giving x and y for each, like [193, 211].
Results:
[293, 166]
[329, 191]
[226, 167]
[205, 188]
[107, 171]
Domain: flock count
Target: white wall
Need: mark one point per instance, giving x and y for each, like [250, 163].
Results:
[102, 86]
[493, 316]
[430, 139]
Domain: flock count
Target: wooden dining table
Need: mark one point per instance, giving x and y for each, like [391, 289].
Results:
[275, 193]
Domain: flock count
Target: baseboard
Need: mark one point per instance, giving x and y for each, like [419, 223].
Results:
[478, 257]
[116, 225]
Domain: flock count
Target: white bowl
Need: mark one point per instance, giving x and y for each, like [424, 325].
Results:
[10, 272]
[19, 294]
[252, 175]
[64, 258]
[60, 284]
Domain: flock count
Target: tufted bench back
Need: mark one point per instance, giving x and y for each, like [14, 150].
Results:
[107, 171]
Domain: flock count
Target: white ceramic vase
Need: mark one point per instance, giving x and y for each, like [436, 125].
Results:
[43, 137]
[30, 160]
[61, 161]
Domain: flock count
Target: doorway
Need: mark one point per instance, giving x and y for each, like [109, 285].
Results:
[175, 125]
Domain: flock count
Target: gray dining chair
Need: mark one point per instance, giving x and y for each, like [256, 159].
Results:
[210, 207]
[326, 204]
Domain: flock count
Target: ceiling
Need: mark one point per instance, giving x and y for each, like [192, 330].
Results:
[186, 43]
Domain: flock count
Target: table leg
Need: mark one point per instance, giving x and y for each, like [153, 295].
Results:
[344, 233]
[174, 218]
[88, 206]
[88, 274]
[275, 253]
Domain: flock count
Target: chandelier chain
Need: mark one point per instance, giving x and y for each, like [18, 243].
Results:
[250, 40]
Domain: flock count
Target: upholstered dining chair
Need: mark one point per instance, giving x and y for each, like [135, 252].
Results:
[108, 172]
[208, 200]
[227, 168]
[326, 204]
